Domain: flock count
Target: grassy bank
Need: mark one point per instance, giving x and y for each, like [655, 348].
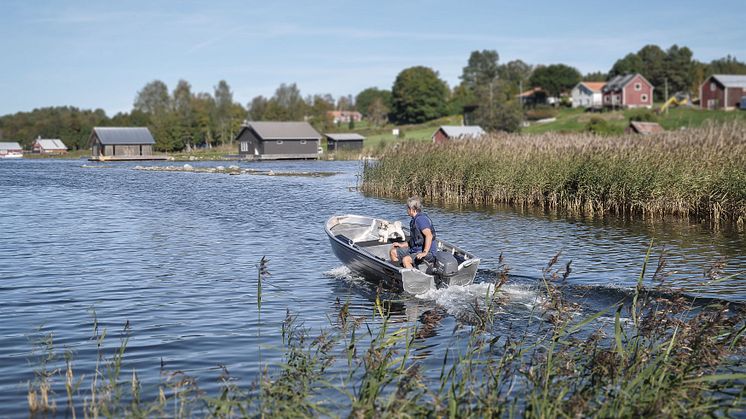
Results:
[698, 173]
[576, 120]
[645, 356]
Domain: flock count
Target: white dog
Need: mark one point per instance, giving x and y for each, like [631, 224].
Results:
[388, 231]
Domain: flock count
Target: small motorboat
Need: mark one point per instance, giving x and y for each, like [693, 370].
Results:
[356, 241]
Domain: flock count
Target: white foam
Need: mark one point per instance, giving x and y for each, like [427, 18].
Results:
[339, 272]
[462, 300]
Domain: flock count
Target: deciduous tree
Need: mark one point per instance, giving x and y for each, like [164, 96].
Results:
[418, 95]
[555, 78]
[365, 99]
[153, 98]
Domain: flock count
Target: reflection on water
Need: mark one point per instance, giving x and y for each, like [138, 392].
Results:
[176, 253]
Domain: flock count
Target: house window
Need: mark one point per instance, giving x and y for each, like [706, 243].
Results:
[713, 87]
[644, 97]
[302, 141]
[638, 87]
[244, 146]
[279, 141]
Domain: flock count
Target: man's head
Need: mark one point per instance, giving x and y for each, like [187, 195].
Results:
[414, 205]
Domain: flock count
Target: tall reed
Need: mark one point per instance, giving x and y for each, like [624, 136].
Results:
[699, 173]
[673, 358]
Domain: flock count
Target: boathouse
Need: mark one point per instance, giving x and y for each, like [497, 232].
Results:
[48, 146]
[344, 141]
[457, 132]
[278, 140]
[122, 143]
[10, 150]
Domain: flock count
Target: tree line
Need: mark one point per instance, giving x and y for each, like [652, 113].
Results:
[182, 119]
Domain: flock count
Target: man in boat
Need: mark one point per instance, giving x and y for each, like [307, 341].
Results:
[421, 239]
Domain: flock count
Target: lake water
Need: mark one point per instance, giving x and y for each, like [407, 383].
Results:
[175, 254]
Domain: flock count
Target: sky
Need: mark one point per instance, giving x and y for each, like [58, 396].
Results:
[99, 54]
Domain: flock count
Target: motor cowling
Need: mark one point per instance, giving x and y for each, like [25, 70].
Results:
[444, 267]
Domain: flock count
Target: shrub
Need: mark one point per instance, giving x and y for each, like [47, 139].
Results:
[643, 115]
[541, 112]
[599, 126]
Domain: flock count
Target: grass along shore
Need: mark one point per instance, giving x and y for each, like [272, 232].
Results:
[644, 356]
[698, 172]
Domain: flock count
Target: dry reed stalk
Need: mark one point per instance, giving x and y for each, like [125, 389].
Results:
[699, 173]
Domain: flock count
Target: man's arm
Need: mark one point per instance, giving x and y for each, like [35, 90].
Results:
[428, 242]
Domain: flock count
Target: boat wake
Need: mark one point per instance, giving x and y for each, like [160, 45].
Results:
[463, 301]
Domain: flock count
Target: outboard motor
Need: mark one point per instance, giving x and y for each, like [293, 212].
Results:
[444, 268]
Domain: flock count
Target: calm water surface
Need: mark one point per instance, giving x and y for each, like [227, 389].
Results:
[175, 254]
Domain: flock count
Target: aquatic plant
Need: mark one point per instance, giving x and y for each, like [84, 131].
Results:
[647, 355]
[698, 173]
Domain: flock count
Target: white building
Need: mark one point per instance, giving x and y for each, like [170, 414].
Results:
[587, 94]
[10, 150]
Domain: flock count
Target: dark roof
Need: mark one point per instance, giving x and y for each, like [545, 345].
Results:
[618, 82]
[284, 130]
[345, 137]
[123, 135]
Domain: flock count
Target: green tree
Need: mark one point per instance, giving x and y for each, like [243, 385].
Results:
[631, 63]
[555, 78]
[203, 105]
[679, 69]
[596, 76]
[515, 75]
[153, 98]
[182, 107]
[258, 108]
[418, 95]
[482, 69]
[223, 111]
[287, 104]
[727, 65]
[364, 99]
[378, 112]
[654, 66]
[500, 116]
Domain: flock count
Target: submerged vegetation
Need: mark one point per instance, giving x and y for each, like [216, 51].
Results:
[644, 356]
[699, 173]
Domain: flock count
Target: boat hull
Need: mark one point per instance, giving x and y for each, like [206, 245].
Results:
[354, 242]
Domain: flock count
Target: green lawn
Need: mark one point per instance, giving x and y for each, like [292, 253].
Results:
[576, 120]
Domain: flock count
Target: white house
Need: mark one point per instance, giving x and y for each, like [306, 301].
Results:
[588, 94]
[10, 150]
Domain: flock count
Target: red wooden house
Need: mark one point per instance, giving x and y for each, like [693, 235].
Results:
[628, 91]
[722, 91]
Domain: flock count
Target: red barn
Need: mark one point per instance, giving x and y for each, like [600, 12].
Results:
[628, 91]
[457, 132]
[722, 91]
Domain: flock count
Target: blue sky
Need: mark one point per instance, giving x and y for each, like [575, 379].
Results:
[98, 54]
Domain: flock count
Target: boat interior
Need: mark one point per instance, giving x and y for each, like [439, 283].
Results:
[363, 233]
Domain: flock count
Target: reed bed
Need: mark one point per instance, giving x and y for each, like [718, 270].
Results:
[698, 173]
[662, 357]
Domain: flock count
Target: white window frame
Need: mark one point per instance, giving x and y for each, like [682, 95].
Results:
[713, 86]
[302, 141]
[644, 97]
[279, 141]
[638, 87]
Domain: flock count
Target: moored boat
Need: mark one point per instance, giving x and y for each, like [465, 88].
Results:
[355, 242]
